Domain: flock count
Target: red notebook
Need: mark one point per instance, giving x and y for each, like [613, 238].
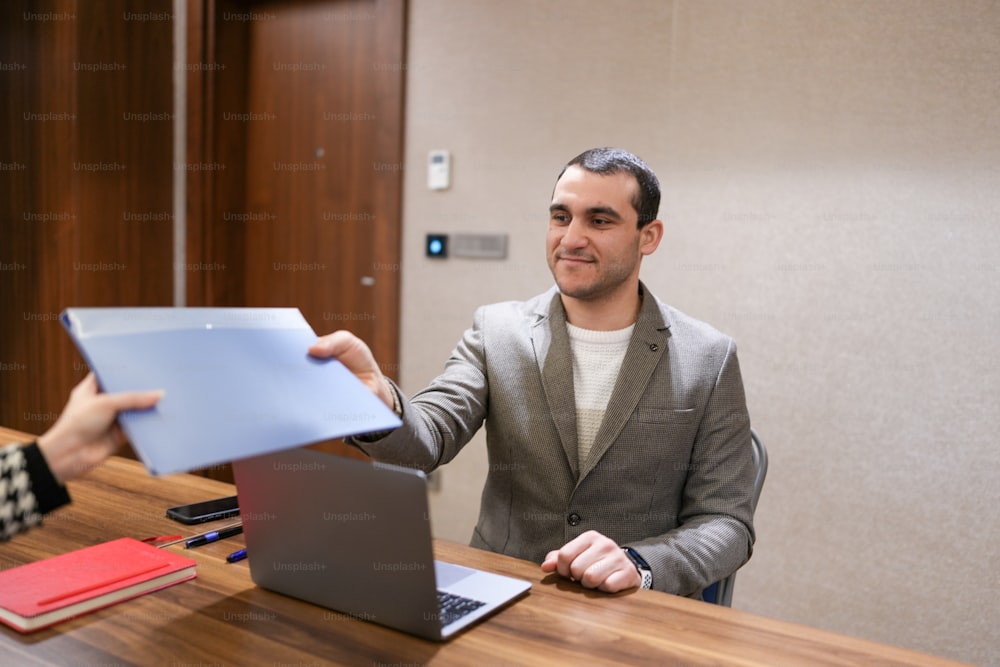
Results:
[51, 590]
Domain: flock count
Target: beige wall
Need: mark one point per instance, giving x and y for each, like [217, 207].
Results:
[832, 192]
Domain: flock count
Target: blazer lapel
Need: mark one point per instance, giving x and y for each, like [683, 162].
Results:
[648, 343]
[555, 363]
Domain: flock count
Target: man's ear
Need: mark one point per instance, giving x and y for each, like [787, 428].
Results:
[650, 237]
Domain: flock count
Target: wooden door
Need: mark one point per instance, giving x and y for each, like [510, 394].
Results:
[317, 177]
[85, 183]
[296, 201]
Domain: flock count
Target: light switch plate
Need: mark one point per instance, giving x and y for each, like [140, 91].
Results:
[439, 170]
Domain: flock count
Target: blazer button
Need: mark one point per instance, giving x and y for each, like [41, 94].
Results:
[573, 519]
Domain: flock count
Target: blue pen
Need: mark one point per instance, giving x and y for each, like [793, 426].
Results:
[213, 536]
[236, 556]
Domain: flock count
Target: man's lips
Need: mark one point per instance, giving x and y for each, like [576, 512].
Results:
[575, 259]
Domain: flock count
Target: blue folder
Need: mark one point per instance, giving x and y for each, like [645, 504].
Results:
[239, 382]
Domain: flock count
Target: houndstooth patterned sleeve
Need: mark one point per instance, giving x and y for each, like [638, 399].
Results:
[18, 505]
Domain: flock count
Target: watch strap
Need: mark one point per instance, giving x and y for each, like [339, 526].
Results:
[645, 572]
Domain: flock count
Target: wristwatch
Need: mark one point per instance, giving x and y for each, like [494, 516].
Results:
[641, 565]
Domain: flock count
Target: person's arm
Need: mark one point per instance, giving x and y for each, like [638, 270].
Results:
[86, 433]
[357, 357]
[27, 489]
[437, 421]
[33, 476]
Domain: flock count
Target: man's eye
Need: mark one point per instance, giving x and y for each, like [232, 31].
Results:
[560, 217]
[600, 222]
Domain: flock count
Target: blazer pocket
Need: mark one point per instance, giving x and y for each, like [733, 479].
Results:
[665, 416]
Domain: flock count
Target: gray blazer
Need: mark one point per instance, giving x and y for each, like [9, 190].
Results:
[670, 471]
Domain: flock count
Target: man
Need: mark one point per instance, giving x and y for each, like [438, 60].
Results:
[617, 428]
[32, 476]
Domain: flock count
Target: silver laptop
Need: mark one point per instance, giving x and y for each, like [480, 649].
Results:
[355, 537]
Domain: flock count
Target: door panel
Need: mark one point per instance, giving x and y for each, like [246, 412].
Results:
[85, 183]
[310, 152]
[299, 126]
[303, 117]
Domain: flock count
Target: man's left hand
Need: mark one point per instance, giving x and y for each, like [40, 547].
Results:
[595, 561]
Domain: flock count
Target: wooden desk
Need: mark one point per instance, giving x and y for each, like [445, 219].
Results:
[222, 618]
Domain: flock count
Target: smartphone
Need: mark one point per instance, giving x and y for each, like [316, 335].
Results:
[208, 510]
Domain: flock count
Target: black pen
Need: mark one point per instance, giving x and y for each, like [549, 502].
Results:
[214, 536]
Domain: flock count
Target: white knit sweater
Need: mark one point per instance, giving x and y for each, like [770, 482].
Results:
[597, 358]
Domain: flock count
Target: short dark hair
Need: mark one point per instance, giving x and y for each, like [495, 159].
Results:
[605, 161]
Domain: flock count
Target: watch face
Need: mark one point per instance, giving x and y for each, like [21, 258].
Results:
[639, 561]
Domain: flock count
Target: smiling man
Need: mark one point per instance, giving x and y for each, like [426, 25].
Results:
[617, 427]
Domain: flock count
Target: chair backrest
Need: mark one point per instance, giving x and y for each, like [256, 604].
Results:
[721, 592]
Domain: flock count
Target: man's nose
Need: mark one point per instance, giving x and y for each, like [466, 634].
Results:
[575, 236]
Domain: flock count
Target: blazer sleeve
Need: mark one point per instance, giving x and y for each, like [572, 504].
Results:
[28, 490]
[715, 534]
[441, 419]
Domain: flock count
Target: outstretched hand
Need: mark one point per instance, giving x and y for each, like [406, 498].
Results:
[86, 432]
[355, 354]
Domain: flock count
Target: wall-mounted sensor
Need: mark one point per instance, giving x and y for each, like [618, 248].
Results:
[437, 245]
[439, 170]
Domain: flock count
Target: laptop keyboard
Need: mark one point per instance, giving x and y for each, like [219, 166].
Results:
[452, 607]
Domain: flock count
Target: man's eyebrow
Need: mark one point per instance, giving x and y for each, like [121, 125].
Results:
[605, 211]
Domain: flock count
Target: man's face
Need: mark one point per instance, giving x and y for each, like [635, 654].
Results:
[594, 245]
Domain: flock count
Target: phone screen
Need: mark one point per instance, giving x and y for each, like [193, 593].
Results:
[208, 510]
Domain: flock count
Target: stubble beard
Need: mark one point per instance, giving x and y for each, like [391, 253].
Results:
[607, 280]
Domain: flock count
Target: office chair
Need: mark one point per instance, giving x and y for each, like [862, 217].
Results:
[721, 592]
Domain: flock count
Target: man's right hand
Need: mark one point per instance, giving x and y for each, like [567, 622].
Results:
[355, 354]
